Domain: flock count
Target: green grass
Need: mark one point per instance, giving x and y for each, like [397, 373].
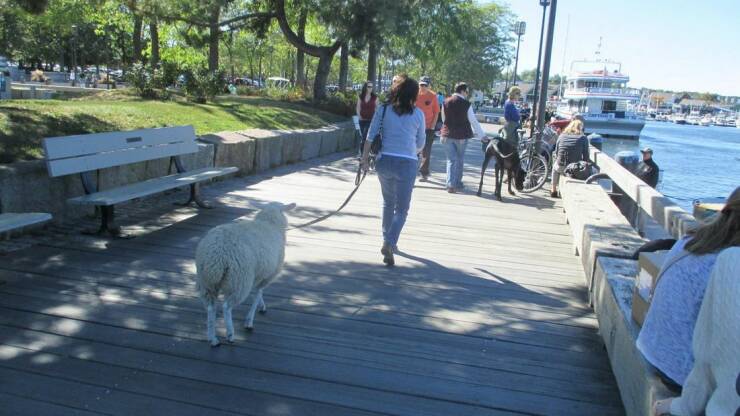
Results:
[23, 123]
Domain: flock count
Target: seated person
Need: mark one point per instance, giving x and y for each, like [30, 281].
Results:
[571, 147]
[647, 170]
[666, 336]
[711, 387]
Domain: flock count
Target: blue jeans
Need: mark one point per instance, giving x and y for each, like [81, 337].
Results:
[455, 149]
[397, 176]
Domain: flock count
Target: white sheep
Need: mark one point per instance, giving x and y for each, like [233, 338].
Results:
[239, 259]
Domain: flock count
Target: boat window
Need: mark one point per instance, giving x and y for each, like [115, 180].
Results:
[608, 105]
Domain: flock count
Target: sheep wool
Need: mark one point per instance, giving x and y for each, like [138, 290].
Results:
[239, 259]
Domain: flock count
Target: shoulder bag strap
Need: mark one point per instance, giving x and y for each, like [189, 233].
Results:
[382, 120]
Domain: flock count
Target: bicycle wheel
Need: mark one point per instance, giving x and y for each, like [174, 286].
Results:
[537, 171]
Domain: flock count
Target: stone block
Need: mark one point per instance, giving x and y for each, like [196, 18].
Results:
[27, 187]
[639, 385]
[292, 146]
[598, 227]
[329, 141]
[232, 149]
[268, 151]
[311, 144]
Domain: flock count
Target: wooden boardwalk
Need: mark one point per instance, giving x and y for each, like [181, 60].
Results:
[484, 314]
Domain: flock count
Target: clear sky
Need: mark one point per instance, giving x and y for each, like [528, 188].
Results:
[666, 44]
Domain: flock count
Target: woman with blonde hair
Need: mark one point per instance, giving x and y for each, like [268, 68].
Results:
[666, 336]
[512, 117]
[571, 147]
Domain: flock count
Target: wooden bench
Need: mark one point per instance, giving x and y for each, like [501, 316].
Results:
[85, 154]
[16, 221]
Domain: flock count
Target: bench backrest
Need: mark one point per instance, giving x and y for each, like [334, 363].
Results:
[87, 152]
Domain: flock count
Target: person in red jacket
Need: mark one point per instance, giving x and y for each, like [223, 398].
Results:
[366, 103]
[428, 104]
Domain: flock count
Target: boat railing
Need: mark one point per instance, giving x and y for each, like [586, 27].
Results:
[611, 91]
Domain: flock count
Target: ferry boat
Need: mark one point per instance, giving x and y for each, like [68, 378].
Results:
[597, 90]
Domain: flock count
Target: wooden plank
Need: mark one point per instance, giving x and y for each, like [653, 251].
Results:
[229, 384]
[19, 405]
[239, 370]
[15, 221]
[82, 144]
[61, 167]
[150, 187]
[65, 389]
[486, 315]
[164, 321]
[360, 348]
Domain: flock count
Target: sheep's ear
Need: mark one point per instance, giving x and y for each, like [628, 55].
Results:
[289, 207]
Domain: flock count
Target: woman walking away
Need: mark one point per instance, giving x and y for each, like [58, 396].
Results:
[571, 147]
[666, 336]
[512, 117]
[403, 138]
[460, 125]
[366, 104]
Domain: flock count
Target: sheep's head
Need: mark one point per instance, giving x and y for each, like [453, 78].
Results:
[274, 213]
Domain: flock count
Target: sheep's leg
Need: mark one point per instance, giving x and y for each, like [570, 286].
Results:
[249, 323]
[229, 322]
[262, 306]
[211, 324]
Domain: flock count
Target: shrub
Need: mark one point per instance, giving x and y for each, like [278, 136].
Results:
[340, 103]
[202, 85]
[147, 82]
[171, 71]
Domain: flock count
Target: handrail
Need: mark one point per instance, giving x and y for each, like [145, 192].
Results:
[674, 219]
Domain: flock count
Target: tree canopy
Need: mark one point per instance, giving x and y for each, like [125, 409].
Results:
[448, 40]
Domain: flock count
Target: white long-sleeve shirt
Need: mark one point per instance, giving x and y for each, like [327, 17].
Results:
[474, 124]
[710, 387]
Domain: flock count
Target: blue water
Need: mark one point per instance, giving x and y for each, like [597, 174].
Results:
[696, 162]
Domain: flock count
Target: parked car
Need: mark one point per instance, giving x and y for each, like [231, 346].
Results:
[277, 82]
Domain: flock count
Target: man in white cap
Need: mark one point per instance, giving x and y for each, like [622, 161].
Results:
[428, 104]
[648, 170]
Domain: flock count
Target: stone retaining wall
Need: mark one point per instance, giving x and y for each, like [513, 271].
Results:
[27, 187]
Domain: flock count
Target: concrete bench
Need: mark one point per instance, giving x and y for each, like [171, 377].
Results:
[598, 227]
[17, 221]
[85, 154]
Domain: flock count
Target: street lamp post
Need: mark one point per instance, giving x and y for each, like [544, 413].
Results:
[74, 55]
[519, 29]
[544, 4]
[545, 73]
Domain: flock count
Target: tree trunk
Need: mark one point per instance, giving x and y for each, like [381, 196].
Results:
[138, 23]
[322, 74]
[213, 37]
[324, 53]
[343, 67]
[154, 34]
[300, 60]
[372, 62]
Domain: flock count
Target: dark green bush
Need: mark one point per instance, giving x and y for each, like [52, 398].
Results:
[202, 85]
[147, 82]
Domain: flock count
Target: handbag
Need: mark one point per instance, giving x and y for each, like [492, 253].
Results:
[377, 143]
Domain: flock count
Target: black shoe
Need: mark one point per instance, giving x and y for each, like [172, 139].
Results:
[554, 194]
[387, 252]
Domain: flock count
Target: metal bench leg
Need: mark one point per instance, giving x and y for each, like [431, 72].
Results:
[195, 197]
[107, 224]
